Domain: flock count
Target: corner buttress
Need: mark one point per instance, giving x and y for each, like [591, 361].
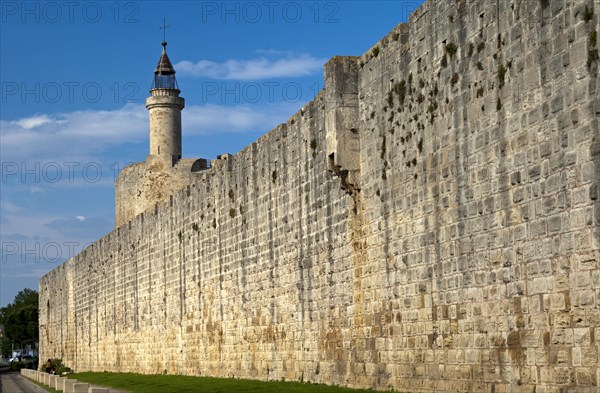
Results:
[341, 120]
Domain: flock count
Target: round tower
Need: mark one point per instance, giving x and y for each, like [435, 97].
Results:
[165, 105]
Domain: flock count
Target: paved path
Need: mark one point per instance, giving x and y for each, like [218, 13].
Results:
[14, 383]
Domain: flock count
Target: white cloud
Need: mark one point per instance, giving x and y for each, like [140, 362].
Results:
[80, 218]
[36, 190]
[34, 121]
[46, 137]
[88, 134]
[291, 66]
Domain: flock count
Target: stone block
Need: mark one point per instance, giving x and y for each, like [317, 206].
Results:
[58, 383]
[98, 390]
[80, 388]
[51, 380]
[68, 385]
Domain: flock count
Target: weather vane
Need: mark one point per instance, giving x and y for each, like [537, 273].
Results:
[164, 29]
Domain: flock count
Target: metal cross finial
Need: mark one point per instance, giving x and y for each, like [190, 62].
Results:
[164, 29]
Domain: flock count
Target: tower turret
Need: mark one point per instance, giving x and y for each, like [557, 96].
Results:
[165, 105]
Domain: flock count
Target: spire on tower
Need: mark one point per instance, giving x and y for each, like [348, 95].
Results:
[164, 74]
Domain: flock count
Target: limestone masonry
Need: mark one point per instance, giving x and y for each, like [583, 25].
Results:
[430, 222]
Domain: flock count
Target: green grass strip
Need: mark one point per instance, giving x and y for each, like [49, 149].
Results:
[140, 383]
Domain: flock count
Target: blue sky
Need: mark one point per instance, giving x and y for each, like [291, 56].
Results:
[74, 77]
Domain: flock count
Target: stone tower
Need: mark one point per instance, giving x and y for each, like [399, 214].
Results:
[165, 105]
[142, 185]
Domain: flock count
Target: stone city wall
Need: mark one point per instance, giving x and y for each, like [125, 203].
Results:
[428, 223]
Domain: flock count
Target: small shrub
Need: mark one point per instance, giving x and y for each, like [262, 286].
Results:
[471, 49]
[372, 114]
[501, 75]
[375, 51]
[451, 49]
[16, 366]
[231, 194]
[420, 145]
[451, 18]
[592, 57]
[480, 92]
[498, 104]
[454, 79]
[395, 36]
[587, 15]
[433, 105]
[60, 367]
[214, 223]
[313, 144]
[444, 62]
[592, 51]
[480, 46]
[544, 3]
[232, 212]
[414, 161]
[400, 90]
[383, 147]
[274, 176]
[479, 66]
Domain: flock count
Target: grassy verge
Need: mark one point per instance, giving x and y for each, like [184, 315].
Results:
[138, 383]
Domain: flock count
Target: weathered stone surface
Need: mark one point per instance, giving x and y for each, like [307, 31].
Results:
[468, 259]
[59, 383]
[98, 390]
[80, 388]
[68, 385]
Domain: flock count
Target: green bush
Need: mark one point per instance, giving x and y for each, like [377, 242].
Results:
[451, 49]
[60, 367]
